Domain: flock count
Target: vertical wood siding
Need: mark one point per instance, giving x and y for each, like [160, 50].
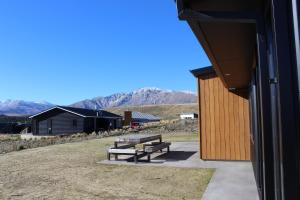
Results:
[224, 125]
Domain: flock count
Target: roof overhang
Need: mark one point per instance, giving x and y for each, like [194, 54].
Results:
[227, 33]
[53, 108]
[204, 72]
[75, 113]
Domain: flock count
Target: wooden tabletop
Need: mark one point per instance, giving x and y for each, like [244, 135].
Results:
[138, 138]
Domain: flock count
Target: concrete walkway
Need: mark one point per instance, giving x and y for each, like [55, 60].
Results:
[232, 180]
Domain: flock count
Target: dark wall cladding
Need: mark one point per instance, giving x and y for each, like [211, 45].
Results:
[62, 124]
[42, 127]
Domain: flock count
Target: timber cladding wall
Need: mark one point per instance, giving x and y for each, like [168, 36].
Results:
[224, 125]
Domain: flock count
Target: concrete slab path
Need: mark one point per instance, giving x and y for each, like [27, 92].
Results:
[233, 180]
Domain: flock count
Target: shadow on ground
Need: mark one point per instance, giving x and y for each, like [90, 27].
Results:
[172, 156]
[175, 155]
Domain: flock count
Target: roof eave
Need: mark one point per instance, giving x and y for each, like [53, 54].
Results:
[56, 107]
[195, 17]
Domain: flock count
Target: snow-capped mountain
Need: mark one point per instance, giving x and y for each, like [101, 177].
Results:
[20, 107]
[143, 96]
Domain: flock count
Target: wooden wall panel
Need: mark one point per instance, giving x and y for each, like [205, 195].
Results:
[207, 119]
[202, 129]
[224, 123]
[212, 119]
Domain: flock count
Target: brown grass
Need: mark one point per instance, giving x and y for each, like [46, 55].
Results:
[70, 171]
[9, 137]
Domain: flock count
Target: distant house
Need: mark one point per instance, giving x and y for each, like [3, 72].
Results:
[67, 120]
[130, 117]
[188, 116]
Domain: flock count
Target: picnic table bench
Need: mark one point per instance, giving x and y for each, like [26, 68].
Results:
[154, 147]
[126, 146]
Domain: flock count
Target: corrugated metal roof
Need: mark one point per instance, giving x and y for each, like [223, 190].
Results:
[90, 113]
[144, 116]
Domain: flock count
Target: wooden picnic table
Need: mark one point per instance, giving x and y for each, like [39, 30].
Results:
[137, 139]
[123, 146]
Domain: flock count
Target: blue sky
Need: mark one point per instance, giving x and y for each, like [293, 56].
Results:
[63, 51]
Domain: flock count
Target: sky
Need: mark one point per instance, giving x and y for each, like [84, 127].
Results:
[64, 51]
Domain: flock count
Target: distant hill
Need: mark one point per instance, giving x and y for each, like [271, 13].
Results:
[20, 107]
[143, 96]
[169, 111]
[13, 119]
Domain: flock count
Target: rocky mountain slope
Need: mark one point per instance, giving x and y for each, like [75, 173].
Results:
[143, 96]
[20, 107]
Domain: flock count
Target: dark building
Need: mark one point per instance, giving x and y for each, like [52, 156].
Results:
[254, 48]
[67, 120]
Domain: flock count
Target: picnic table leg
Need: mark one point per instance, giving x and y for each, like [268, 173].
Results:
[135, 159]
[116, 146]
[160, 141]
[108, 156]
[149, 157]
[168, 149]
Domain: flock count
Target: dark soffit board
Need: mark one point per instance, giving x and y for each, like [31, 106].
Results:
[225, 5]
[204, 72]
[230, 45]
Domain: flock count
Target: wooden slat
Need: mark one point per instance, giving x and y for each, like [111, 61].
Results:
[241, 122]
[202, 126]
[122, 151]
[231, 126]
[227, 125]
[221, 121]
[236, 127]
[217, 120]
[247, 128]
[208, 121]
[212, 120]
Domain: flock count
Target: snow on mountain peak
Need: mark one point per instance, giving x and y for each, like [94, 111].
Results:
[150, 89]
[142, 96]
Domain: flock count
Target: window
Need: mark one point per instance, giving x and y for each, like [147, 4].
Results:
[74, 123]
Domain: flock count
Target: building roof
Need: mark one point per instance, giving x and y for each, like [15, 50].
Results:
[82, 112]
[227, 33]
[204, 71]
[145, 116]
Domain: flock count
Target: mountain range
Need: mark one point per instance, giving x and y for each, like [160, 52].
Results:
[20, 107]
[143, 96]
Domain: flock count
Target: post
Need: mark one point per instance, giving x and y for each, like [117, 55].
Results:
[135, 158]
[95, 125]
[116, 146]
[160, 139]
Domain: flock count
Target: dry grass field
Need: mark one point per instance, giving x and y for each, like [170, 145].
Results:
[164, 111]
[70, 171]
[9, 137]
